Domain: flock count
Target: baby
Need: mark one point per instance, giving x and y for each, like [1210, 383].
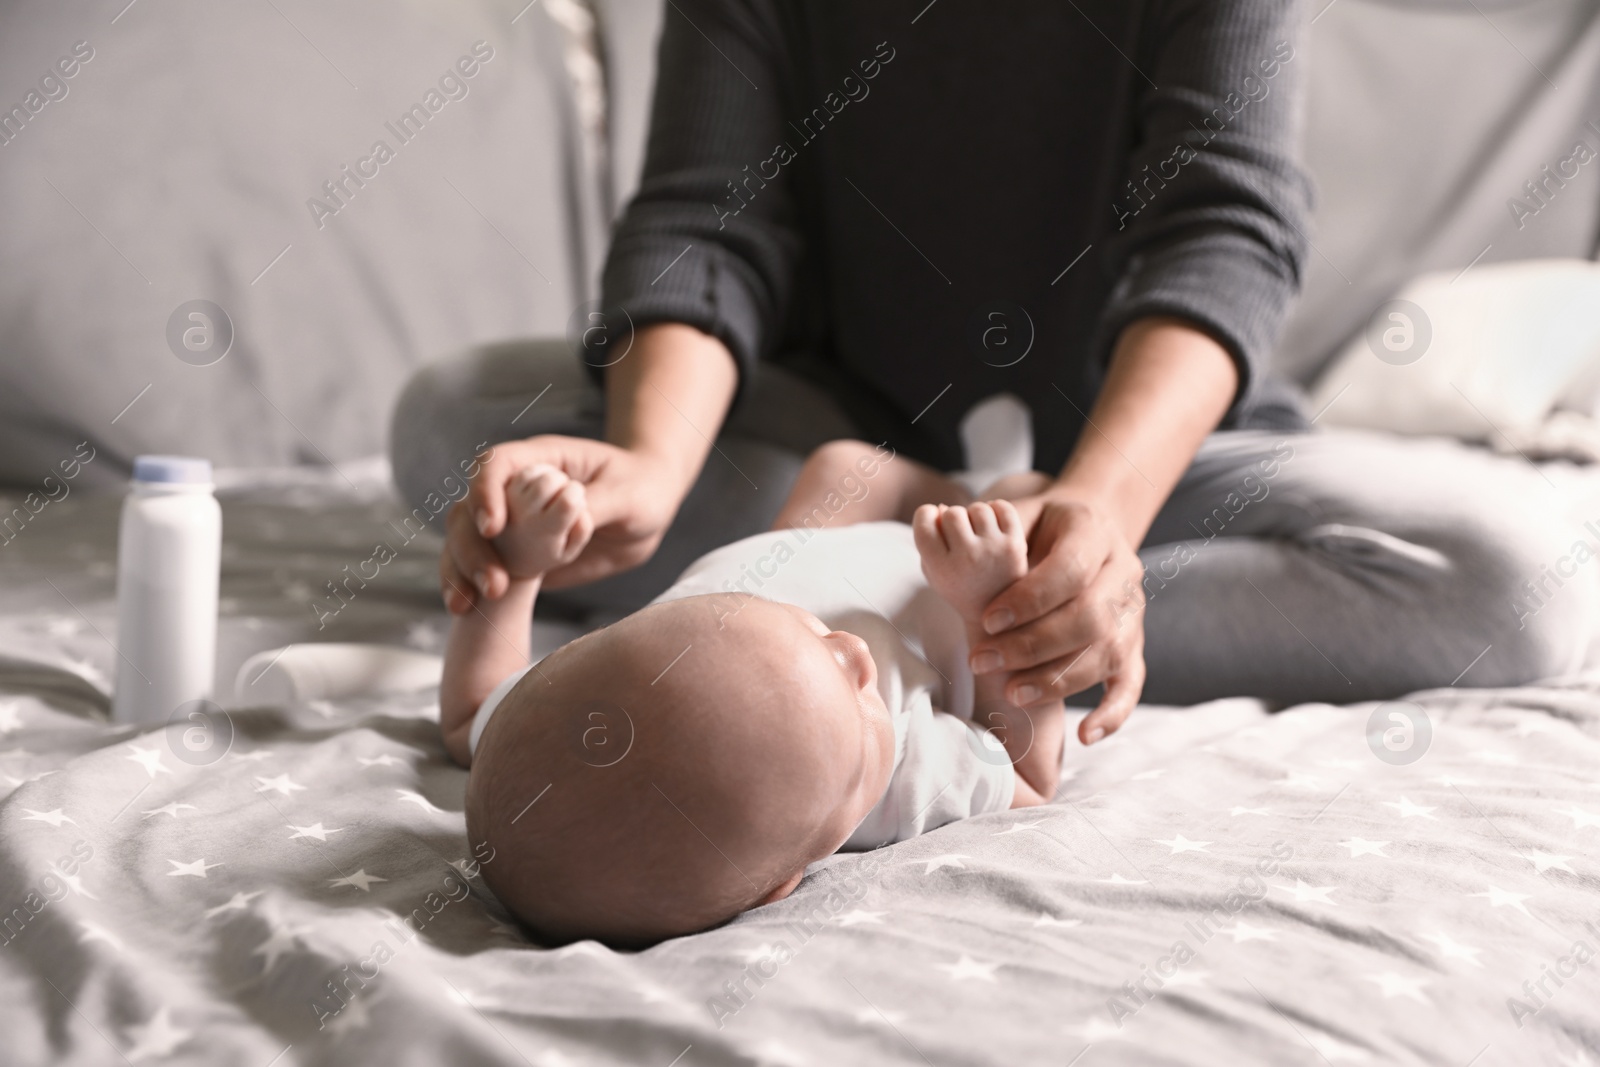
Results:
[794, 693]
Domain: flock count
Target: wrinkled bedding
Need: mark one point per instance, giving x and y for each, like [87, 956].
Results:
[1213, 884]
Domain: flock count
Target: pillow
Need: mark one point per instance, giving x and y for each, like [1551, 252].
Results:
[1468, 354]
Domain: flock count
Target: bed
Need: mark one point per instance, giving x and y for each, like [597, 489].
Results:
[1217, 883]
[293, 884]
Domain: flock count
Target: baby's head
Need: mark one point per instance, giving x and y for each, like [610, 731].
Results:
[698, 755]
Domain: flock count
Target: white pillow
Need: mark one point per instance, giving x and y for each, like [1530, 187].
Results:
[1463, 355]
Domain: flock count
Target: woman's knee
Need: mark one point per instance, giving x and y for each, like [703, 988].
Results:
[452, 409]
[836, 458]
[1540, 599]
[414, 445]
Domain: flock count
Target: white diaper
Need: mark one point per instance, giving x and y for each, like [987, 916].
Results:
[480, 718]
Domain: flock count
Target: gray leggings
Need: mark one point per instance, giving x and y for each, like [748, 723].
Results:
[1332, 566]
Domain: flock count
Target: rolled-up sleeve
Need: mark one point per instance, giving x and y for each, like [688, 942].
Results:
[710, 238]
[1210, 221]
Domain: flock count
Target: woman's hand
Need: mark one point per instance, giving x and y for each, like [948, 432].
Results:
[1075, 619]
[664, 405]
[632, 498]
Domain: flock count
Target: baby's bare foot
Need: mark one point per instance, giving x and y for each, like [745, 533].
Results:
[547, 523]
[970, 554]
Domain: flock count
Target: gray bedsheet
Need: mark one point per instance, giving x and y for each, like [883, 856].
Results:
[1214, 884]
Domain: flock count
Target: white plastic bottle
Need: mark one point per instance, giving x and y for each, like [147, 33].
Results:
[169, 558]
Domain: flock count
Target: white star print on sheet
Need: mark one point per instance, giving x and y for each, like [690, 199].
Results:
[1580, 818]
[1179, 843]
[74, 882]
[474, 998]
[1408, 810]
[1242, 931]
[949, 859]
[315, 830]
[281, 784]
[411, 796]
[13, 781]
[1097, 1030]
[967, 967]
[1397, 985]
[775, 1052]
[1544, 861]
[171, 809]
[653, 994]
[353, 1017]
[759, 953]
[1361, 847]
[361, 880]
[1302, 892]
[149, 759]
[237, 902]
[282, 939]
[1453, 949]
[196, 869]
[1499, 898]
[857, 917]
[54, 818]
[1181, 978]
[156, 1038]
[1334, 1050]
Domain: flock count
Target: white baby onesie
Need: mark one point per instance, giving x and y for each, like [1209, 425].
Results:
[867, 579]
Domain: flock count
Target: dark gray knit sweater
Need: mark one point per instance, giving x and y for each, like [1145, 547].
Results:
[921, 205]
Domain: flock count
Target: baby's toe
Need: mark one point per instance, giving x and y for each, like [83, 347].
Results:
[925, 526]
[956, 526]
[982, 519]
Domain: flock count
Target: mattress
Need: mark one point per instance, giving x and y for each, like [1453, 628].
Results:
[1217, 883]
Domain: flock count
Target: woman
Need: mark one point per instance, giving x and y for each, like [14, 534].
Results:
[885, 214]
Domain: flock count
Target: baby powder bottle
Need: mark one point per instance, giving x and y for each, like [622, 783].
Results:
[169, 556]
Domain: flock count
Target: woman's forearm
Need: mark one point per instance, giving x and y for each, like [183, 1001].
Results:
[1168, 385]
[666, 399]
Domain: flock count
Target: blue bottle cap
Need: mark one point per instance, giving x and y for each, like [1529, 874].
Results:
[181, 469]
